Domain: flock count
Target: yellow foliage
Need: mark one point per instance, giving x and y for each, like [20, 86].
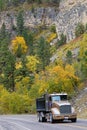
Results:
[22, 85]
[70, 71]
[83, 45]
[51, 37]
[2, 75]
[32, 63]
[43, 87]
[19, 41]
[1, 87]
[18, 65]
[62, 77]
[14, 103]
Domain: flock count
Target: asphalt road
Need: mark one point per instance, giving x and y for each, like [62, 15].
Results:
[29, 122]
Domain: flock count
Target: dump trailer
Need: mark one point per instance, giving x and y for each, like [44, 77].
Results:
[55, 107]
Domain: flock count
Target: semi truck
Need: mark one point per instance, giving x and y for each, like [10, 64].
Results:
[55, 107]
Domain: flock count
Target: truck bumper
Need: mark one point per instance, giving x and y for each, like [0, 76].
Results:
[65, 117]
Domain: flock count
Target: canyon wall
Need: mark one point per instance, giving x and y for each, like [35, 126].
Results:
[66, 17]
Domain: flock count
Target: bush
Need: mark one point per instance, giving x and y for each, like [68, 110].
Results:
[62, 40]
[53, 28]
[14, 103]
[80, 29]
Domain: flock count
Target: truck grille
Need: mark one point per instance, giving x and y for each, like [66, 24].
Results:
[65, 109]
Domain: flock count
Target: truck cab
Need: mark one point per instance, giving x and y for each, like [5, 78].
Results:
[54, 107]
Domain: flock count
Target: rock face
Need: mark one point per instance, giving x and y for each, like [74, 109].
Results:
[31, 18]
[65, 18]
[80, 103]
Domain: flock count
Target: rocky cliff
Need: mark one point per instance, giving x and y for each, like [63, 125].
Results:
[66, 17]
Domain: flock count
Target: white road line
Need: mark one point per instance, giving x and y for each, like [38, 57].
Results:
[24, 128]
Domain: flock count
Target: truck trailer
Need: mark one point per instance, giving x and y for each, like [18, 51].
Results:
[55, 107]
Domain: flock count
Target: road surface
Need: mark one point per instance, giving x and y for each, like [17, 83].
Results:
[29, 122]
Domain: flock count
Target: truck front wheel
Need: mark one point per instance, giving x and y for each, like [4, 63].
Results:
[51, 118]
[74, 120]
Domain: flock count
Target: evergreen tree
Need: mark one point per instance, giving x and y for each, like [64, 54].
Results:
[20, 23]
[29, 38]
[3, 33]
[7, 65]
[79, 29]
[69, 57]
[62, 40]
[43, 52]
[1, 5]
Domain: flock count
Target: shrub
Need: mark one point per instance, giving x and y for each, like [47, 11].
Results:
[80, 29]
[53, 28]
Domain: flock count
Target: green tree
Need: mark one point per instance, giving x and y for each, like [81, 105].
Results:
[29, 38]
[80, 29]
[62, 40]
[43, 52]
[1, 5]
[69, 57]
[3, 33]
[20, 23]
[53, 28]
[7, 65]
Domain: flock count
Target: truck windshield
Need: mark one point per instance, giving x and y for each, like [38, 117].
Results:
[55, 98]
[59, 98]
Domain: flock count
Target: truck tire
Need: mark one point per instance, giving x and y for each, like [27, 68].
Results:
[74, 120]
[51, 118]
[41, 118]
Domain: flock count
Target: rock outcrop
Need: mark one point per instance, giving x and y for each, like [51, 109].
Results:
[66, 17]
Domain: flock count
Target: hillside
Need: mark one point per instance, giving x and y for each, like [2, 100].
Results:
[41, 50]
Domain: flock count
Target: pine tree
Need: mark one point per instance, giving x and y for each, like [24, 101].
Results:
[7, 65]
[43, 52]
[3, 32]
[69, 57]
[29, 38]
[1, 5]
[20, 23]
[80, 29]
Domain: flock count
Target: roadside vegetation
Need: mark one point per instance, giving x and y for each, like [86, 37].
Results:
[26, 71]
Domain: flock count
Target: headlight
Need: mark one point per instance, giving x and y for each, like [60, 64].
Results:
[73, 110]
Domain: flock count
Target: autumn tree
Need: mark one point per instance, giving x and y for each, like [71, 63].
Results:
[31, 63]
[19, 46]
[83, 57]
[59, 79]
